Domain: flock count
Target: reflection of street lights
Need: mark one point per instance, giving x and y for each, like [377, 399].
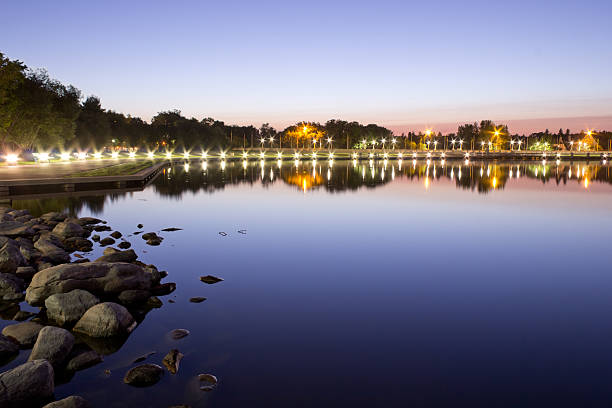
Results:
[482, 145]
[262, 141]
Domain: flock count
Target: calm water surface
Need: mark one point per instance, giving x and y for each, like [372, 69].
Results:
[369, 284]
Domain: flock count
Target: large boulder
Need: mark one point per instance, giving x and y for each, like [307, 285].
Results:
[99, 278]
[51, 248]
[106, 320]
[69, 229]
[15, 229]
[118, 256]
[10, 257]
[30, 384]
[53, 344]
[11, 287]
[73, 401]
[24, 333]
[67, 308]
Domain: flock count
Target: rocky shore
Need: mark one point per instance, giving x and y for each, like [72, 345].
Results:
[87, 308]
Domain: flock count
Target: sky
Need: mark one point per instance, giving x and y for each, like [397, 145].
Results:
[406, 65]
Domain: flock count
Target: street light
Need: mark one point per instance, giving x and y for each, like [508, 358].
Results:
[519, 144]
[435, 145]
[511, 144]
[329, 141]
[429, 141]
[461, 144]
[453, 143]
[393, 141]
[383, 140]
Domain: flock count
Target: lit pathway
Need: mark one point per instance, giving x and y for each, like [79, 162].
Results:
[53, 170]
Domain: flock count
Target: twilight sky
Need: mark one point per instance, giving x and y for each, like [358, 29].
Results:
[402, 64]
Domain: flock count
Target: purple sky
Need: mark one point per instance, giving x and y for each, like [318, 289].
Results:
[403, 64]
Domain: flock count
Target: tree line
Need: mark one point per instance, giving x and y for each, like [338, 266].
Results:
[40, 113]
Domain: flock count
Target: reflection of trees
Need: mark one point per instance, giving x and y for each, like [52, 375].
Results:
[481, 177]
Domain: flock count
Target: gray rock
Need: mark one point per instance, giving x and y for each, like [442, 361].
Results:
[53, 344]
[73, 401]
[8, 348]
[164, 289]
[84, 360]
[53, 216]
[88, 221]
[118, 256]
[69, 229]
[67, 308]
[172, 360]
[100, 228]
[144, 375]
[30, 384]
[134, 297]
[106, 320]
[78, 244]
[24, 333]
[208, 382]
[11, 287]
[177, 334]
[23, 315]
[107, 241]
[25, 272]
[51, 248]
[10, 257]
[98, 278]
[15, 229]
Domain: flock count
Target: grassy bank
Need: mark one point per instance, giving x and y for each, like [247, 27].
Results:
[124, 169]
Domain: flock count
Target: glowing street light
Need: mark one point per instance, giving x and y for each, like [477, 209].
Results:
[43, 157]
[223, 155]
[204, 155]
[519, 144]
[168, 155]
[271, 140]
[329, 141]
[244, 155]
[383, 141]
[511, 144]
[81, 155]
[150, 155]
[429, 141]
[393, 142]
[482, 144]
[97, 155]
[132, 154]
[115, 155]
[186, 155]
[65, 156]
[453, 141]
[435, 145]
[461, 144]
[12, 158]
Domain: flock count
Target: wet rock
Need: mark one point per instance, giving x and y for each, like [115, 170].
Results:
[51, 248]
[73, 401]
[106, 320]
[139, 226]
[25, 272]
[164, 289]
[53, 344]
[84, 360]
[54, 216]
[154, 303]
[172, 360]
[8, 309]
[95, 238]
[197, 299]
[116, 234]
[154, 241]
[144, 375]
[210, 279]
[11, 287]
[107, 241]
[118, 256]
[88, 221]
[40, 265]
[102, 228]
[143, 357]
[30, 384]
[23, 315]
[68, 229]
[82, 260]
[15, 229]
[124, 245]
[208, 382]
[99, 278]
[8, 348]
[133, 297]
[180, 406]
[149, 235]
[11, 257]
[66, 309]
[78, 244]
[171, 229]
[177, 334]
[30, 254]
[24, 333]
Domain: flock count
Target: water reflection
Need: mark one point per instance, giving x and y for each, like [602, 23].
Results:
[332, 176]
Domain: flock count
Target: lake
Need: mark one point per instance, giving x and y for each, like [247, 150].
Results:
[368, 284]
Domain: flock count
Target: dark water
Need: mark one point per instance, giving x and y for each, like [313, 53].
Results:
[480, 285]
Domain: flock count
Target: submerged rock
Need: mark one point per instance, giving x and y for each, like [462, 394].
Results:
[88, 221]
[106, 320]
[171, 229]
[84, 360]
[164, 289]
[197, 299]
[177, 334]
[208, 382]
[24, 333]
[172, 360]
[143, 357]
[30, 384]
[134, 297]
[53, 344]
[144, 375]
[67, 308]
[73, 401]
[210, 279]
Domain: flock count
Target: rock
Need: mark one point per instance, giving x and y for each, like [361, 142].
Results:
[88, 221]
[78, 244]
[99, 278]
[23, 315]
[197, 299]
[149, 235]
[54, 216]
[84, 360]
[51, 248]
[53, 344]
[116, 234]
[210, 279]
[15, 229]
[106, 320]
[68, 229]
[164, 289]
[30, 254]
[25, 272]
[67, 308]
[177, 334]
[40, 265]
[154, 241]
[172, 360]
[154, 302]
[24, 333]
[143, 357]
[73, 401]
[107, 241]
[95, 238]
[119, 256]
[30, 384]
[139, 226]
[11, 287]
[171, 229]
[124, 245]
[102, 228]
[144, 375]
[208, 382]
[134, 297]
[8, 349]
[8, 310]
[82, 260]
[180, 406]
[11, 257]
